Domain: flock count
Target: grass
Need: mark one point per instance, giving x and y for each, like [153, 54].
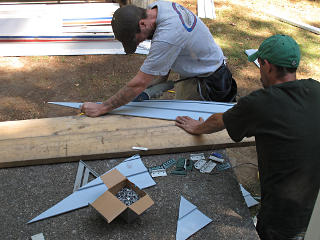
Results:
[243, 25]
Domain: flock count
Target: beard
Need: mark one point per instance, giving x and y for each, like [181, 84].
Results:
[150, 36]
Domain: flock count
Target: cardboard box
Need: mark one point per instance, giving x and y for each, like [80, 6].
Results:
[110, 207]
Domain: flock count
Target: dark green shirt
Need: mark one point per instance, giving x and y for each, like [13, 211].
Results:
[285, 120]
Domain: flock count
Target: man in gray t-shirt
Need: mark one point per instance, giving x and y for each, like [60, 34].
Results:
[180, 42]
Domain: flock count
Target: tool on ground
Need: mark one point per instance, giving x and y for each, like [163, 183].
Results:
[197, 156]
[140, 148]
[82, 176]
[182, 166]
[215, 156]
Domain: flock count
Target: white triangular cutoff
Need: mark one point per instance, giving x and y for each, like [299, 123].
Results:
[190, 220]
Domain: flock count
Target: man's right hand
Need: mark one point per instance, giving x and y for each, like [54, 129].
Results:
[93, 109]
[189, 124]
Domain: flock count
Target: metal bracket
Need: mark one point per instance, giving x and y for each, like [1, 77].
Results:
[199, 164]
[197, 156]
[82, 176]
[158, 173]
[169, 163]
[208, 167]
[223, 166]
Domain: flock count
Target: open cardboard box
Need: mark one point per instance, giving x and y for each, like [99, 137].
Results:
[109, 206]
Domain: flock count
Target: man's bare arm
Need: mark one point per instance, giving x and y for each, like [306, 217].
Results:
[126, 94]
[213, 124]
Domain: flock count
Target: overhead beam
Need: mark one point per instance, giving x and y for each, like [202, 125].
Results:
[65, 139]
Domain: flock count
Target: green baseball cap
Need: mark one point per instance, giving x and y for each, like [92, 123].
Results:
[280, 50]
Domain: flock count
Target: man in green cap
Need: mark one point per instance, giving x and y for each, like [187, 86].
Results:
[284, 117]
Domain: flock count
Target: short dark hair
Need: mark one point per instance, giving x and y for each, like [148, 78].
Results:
[281, 71]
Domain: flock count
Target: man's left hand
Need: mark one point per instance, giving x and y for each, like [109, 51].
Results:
[92, 109]
[188, 124]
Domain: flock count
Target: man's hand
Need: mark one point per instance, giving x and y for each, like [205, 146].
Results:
[92, 109]
[213, 124]
[189, 125]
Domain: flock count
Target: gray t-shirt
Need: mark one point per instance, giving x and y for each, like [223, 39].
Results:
[181, 42]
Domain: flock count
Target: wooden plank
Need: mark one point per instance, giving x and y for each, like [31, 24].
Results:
[64, 139]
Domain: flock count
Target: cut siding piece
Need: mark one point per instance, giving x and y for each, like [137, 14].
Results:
[206, 9]
[165, 109]
[133, 168]
[250, 52]
[250, 201]
[190, 220]
[38, 236]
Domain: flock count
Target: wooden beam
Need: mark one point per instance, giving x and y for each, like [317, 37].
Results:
[64, 139]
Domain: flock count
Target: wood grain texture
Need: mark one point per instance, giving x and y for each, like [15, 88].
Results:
[64, 139]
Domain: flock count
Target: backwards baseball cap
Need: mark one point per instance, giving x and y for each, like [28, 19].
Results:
[125, 25]
[280, 50]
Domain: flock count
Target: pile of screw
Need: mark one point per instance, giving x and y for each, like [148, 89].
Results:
[127, 196]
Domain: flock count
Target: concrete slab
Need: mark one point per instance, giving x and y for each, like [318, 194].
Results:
[25, 192]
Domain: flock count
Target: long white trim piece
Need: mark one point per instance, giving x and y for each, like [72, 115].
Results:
[171, 110]
[60, 29]
[133, 168]
[190, 220]
[65, 11]
[64, 48]
[206, 9]
[250, 52]
[313, 231]
[295, 23]
[165, 109]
